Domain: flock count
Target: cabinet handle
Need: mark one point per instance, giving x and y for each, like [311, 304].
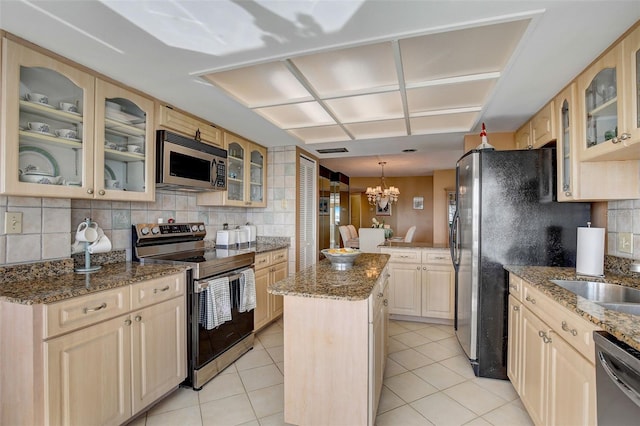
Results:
[513, 287]
[516, 308]
[566, 328]
[545, 338]
[385, 302]
[89, 191]
[567, 194]
[138, 318]
[424, 268]
[380, 294]
[127, 322]
[417, 268]
[529, 299]
[97, 308]
[101, 192]
[155, 290]
[623, 137]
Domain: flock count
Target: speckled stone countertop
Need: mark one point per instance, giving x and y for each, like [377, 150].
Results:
[49, 282]
[624, 327]
[322, 281]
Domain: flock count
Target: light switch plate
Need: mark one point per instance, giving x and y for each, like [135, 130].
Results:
[13, 222]
[625, 242]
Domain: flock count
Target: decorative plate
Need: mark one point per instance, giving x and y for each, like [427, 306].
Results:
[109, 171]
[43, 161]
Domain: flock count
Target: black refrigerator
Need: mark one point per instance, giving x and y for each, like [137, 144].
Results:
[506, 214]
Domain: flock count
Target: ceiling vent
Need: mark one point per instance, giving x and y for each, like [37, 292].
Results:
[331, 150]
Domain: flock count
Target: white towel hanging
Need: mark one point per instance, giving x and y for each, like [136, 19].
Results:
[247, 290]
[215, 303]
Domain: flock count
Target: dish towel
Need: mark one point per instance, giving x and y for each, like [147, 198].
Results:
[215, 304]
[247, 290]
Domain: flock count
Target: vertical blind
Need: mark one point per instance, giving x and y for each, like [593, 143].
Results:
[308, 203]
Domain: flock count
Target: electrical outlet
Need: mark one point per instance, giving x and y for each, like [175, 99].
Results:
[625, 242]
[13, 222]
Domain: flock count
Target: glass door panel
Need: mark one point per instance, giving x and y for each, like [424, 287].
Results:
[566, 147]
[235, 173]
[601, 100]
[256, 179]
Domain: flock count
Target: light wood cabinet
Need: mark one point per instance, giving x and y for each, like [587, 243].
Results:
[524, 136]
[270, 267]
[551, 359]
[80, 146]
[92, 359]
[631, 85]
[421, 284]
[543, 126]
[246, 175]
[171, 118]
[333, 373]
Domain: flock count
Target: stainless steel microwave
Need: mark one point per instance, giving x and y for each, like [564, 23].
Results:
[188, 164]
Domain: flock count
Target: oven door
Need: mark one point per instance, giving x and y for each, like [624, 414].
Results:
[210, 344]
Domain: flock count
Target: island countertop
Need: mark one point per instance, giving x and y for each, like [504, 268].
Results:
[624, 327]
[322, 281]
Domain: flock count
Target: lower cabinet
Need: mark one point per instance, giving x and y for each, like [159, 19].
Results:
[551, 361]
[97, 365]
[270, 267]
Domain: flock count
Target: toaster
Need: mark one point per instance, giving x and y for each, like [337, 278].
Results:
[226, 239]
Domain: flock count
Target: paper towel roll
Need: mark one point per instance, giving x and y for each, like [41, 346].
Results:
[590, 252]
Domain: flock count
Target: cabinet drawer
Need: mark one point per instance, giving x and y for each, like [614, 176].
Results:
[157, 290]
[405, 256]
[279, 256]
[569, 326]
[71, 314]
[262, 260]
[438, 257]
[515, 286]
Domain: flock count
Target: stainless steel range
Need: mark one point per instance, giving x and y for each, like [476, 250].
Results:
[212, 345]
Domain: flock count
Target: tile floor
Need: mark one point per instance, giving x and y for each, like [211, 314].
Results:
[428, 381]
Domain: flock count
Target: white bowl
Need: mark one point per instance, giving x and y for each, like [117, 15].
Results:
[39, 178]
[342, 258]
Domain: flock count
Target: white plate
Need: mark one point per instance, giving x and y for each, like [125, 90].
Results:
[41, 133]
[109, 171]
[44, 105]
[70, 139]
[39, 158]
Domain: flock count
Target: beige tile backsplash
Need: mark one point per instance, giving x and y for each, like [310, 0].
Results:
[49, 224]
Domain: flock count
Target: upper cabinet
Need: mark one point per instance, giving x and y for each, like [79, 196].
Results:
[524, 139]
[246, 175]
[608, 92]
[543, 126]
[565, 116]
[59, 139]
[171, 119]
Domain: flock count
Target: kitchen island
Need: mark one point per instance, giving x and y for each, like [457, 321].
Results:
[335, 341]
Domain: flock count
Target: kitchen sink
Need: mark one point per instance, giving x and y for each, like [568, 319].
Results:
[627, 308]
[601, 292]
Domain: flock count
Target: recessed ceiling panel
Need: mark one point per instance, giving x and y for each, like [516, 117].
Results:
[442, 123]
[462, 52]
[320, 134]
[260, 85]
[377, 129]
[379, 106]
[348, 70]
[457, 95]
[292, 116]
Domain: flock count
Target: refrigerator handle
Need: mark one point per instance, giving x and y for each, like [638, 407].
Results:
[453, 240]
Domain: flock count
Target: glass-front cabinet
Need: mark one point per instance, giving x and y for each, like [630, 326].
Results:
[631, 60]
[246, 175]
[565, 111]
[55, 129]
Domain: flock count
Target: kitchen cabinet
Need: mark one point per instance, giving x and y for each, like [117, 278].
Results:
[631, 85]
[60, 140]
[524, 136]
[171, 118]
[551, 359]
[246, 175]
[543, 126]
[333, 373]
[422, 283]
[96, 359]
[270, 267]
[567, 160]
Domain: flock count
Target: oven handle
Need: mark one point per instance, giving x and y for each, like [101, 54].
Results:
[200, 285]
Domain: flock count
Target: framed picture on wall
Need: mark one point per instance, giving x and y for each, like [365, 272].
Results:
[383, 211]
[324, 206]
[418, 203]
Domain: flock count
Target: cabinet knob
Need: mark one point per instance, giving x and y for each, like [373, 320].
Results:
[380, 294]
[385, 302]
[89, 191]
[529, 299]
[516, 308]
[424, 268]
[566, 328]
[418, 268]
[127, 322]
[138, 318]
[567, 194]
[102, 192]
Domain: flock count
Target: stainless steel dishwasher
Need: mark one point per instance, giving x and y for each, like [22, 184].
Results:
[617, 381]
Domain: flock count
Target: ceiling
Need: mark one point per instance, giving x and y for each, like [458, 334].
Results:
[374, 77]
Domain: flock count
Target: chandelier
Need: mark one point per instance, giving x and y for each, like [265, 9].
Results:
[381, 195]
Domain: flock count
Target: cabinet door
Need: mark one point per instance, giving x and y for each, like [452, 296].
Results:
[567, 160]
[631, 110]
[571, 388]
[89, 375]
[188, 125]
[47, 126]
[514, 349]
[276, 305]
[257, 176]
[405, 289]
[534, 366]
[261, 311]
[438, 291]
[377, 359]
[524, 139]
[125, 144]
[237, 153]
[543, 126]
[159, 351]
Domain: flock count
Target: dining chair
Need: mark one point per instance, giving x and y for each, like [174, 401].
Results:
[370, 239]
[409, 235]
[347, 240]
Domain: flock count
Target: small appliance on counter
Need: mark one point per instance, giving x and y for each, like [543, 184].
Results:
[226, 239]
[251, 231]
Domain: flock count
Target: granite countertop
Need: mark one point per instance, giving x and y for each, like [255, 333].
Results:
[414, 245]
[262, 247]
[322, 281]
[50, 282]
[624, 327]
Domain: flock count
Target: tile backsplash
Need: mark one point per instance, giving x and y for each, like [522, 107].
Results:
[49, 224]
[623, 217]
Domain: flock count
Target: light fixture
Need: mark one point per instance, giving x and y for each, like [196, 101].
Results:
[381, 195]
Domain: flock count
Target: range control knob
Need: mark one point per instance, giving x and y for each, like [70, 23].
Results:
[144, 230]
[194, 228]
[155, 230]
[201, 228]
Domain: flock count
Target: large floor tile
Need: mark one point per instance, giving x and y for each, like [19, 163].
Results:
[409, 387]
[189, 416]
[439, 376]
[439, 409]
[411, 359]
[230, 411]
[503, 388]
[508, 415]
[261, 377]
[433, 333]
[388, 400]
[460, 364]
[276, 353]
[412, 338]
[252, 359]
[392, 368]
[271, 340]
[274, 420]
[405, 416]
[221, 387]
[181, 398]
[436, 351]
[267, 401]
[474, 397]
[396, 346]
[396, 328]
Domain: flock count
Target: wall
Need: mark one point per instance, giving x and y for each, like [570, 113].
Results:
[501, 141]
[403, 215]
[443, 180]
[50, 223]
